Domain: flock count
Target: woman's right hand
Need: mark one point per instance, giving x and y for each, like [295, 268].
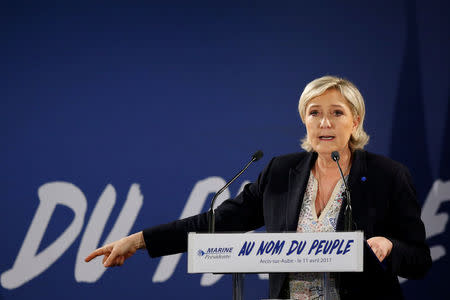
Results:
[115, 253]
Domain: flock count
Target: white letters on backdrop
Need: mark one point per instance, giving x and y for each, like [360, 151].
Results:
[29, 263]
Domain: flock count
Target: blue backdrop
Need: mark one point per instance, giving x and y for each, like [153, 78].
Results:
[141, 109]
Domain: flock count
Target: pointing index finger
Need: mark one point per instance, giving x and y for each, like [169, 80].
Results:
[98, 252]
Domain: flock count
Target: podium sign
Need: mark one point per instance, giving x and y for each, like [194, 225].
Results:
[275, 252]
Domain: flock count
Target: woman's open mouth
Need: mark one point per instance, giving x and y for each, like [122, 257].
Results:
[326, 137]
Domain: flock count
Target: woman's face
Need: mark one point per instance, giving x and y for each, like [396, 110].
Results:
[329, 122]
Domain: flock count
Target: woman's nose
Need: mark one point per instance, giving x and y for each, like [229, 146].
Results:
[325, 123]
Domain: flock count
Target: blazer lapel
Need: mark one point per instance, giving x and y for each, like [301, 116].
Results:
[298, 179]
[356, 181]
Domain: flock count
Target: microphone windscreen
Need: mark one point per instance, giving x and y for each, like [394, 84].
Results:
[257, 156]
[335, 155]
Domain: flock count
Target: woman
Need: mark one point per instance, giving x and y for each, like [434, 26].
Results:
[303, 192]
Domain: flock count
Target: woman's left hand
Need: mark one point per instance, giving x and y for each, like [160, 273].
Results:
[381, 246]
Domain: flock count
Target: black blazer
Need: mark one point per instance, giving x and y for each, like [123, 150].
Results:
[384, 204]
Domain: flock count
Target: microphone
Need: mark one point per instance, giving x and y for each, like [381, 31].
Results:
[348, 219]
[257, 156]
[211, 215]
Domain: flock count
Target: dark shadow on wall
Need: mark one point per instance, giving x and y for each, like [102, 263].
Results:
[408, 140]
[444, 167]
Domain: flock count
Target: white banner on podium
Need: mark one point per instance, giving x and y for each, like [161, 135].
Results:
[275, 252]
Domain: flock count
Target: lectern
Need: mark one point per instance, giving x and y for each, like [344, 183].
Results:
[274, 253]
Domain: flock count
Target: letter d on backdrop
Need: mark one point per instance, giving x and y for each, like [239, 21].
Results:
[30, 264]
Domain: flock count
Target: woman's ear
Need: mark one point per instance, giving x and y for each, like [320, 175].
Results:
[356, 120]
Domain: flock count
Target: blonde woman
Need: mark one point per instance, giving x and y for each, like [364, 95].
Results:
[304, 192]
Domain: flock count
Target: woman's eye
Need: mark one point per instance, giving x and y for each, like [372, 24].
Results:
[313, 113]
[338, 113]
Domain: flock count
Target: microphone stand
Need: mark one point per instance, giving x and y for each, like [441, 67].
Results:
[238, 278]
[211, 213]
[348, 218]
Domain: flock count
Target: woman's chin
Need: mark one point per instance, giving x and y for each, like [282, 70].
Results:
[325, 149]
[328, 149]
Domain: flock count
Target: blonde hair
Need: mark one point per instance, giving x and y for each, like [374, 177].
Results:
[354, 98]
